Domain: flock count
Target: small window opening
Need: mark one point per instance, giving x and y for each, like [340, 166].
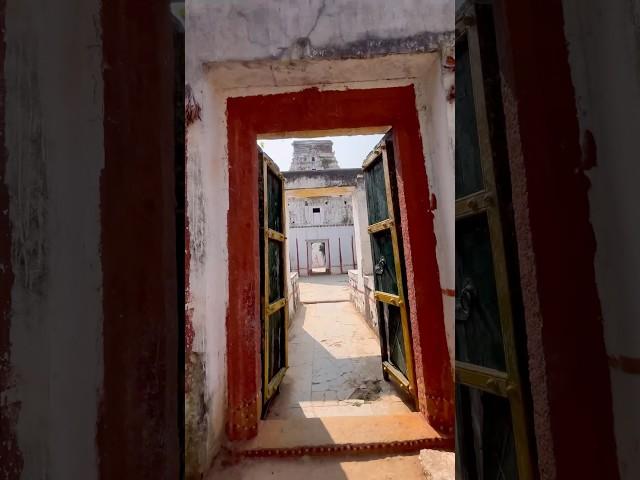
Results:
[316, 210]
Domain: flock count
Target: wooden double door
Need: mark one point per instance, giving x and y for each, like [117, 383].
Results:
[389, 272]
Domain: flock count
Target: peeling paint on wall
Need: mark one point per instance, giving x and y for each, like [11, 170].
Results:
[26, 169]
[333, 29]
[54, 155]
[251, 33]
[196, 412]
[11, 459]
[320, 211]
[605, 71]
[191, 108]
[137, 433]
[206, 300]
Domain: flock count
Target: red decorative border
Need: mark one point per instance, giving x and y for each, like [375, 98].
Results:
[443, 443]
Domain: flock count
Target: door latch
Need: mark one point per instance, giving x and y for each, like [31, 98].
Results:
[379, 268]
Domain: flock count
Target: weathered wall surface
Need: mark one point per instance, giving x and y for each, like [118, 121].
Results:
[88, 335]
[250, 30]
[239, 48]
[361, 291]
[364, 258]
[51, 366]
[320, 211]
[339, 177]
[436, 111]
[316, 208]
[605, 66]
[321, 218]
[556, 242]
[339, 238]
[207, 203]
[361, 278]
[313, 155]
[293, 295]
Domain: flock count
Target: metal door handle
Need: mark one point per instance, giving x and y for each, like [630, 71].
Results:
[379, 268]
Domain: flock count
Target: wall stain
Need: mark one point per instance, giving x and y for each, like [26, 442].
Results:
[26, 173]
[192, 109]
[196, 417]
[11, 460]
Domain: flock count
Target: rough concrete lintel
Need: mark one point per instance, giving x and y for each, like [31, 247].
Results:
[369, 47]
[424, 42]
[319, 66]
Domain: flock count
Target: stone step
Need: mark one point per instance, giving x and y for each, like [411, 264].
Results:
[343, 435]
[404, 466]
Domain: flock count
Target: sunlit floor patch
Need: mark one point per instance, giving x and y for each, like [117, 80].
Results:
[335, 367]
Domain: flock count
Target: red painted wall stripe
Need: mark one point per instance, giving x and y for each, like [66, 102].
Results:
[568, 364]
[138, 425]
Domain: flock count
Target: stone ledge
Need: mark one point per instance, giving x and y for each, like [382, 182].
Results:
[348, 435]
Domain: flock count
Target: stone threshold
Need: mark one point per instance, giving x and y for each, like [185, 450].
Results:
[343, 435]
[314, 302]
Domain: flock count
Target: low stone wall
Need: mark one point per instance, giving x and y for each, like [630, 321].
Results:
[361, 290]
[294, 295]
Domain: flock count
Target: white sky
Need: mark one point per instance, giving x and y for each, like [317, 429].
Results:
[350, 150]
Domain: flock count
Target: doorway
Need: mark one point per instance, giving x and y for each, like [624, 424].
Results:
[338, 362]
[350, 111]
[318, 254]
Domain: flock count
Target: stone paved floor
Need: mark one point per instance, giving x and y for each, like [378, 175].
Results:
[405, 467]
[324, 288]
[334, 358]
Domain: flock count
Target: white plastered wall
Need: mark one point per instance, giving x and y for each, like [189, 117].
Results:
[55, 155]
[249, 47]
[360, 224]
[605, 65]
[207, 194]
[209, 307]
[248, 30]
[338, 237]
[437, 127]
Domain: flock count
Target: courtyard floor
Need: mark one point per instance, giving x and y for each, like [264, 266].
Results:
[334, 357]
[332, 395]
[378, 467]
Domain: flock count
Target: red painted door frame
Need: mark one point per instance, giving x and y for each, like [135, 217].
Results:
[567, 359]
[312, 110]
[137, 433]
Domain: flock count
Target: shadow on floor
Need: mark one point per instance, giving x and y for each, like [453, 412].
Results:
[335, 368]
[324, 288]
[329, 279]
[335, 371]
[370, 467]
